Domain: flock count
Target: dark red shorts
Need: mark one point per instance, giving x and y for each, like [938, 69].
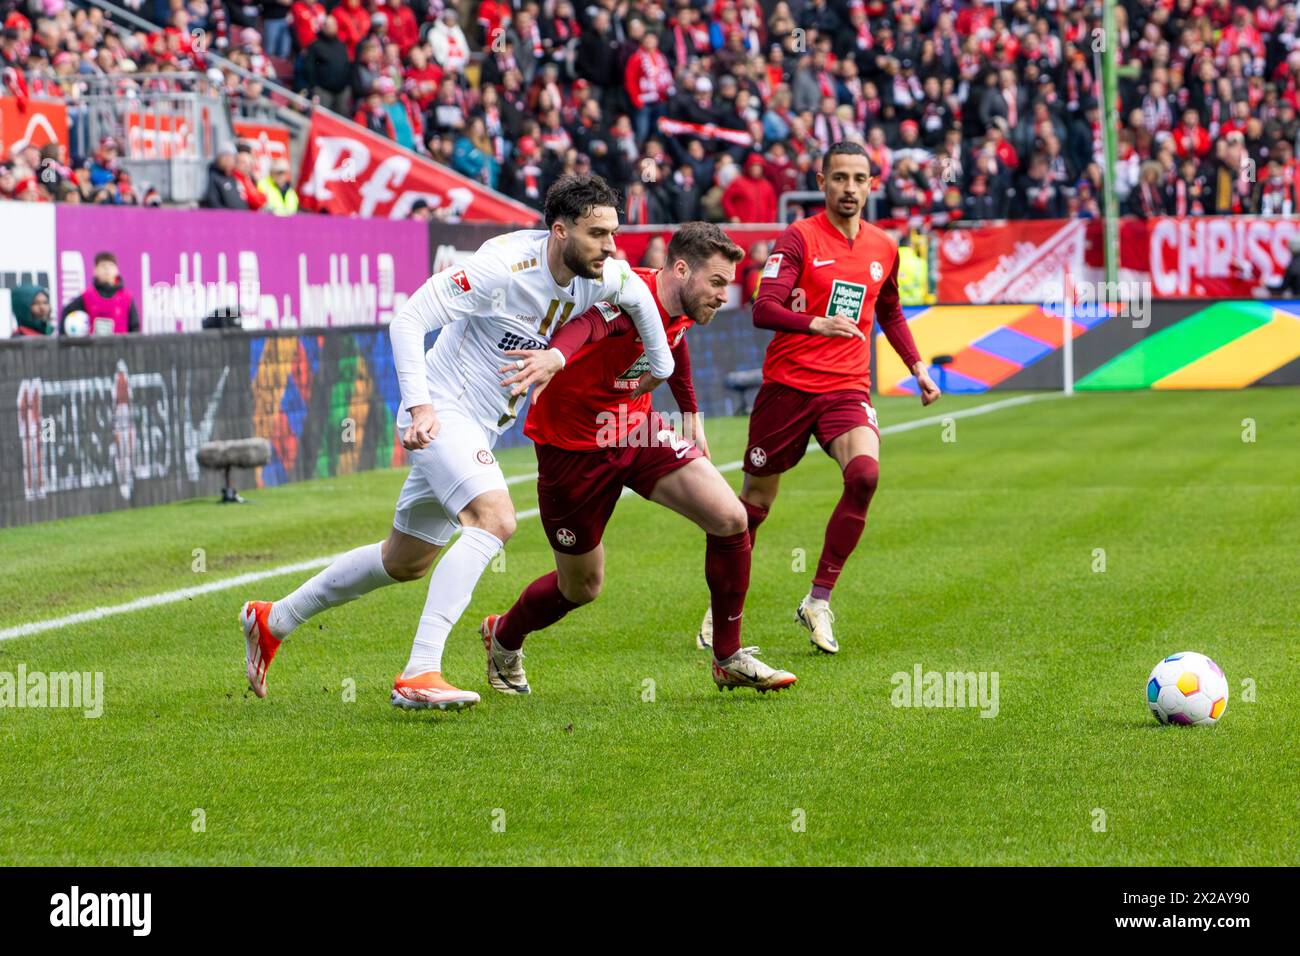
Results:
[784, 419]
[577, 490]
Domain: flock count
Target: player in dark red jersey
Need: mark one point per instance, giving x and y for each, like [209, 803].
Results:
[827, 276]
[595, 432]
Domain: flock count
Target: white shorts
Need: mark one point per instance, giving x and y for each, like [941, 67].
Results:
[446, 475]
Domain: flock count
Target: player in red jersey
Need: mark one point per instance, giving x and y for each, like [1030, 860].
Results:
[827, 276]
[595, 432]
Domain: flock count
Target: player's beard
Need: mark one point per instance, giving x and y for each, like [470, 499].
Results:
[698, 309]
[579, 266]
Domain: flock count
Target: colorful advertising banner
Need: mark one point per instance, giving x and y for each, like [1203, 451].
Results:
[349, 171]
[278, 272]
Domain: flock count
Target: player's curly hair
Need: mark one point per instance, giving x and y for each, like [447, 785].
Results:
[573, 196]
[697, 242]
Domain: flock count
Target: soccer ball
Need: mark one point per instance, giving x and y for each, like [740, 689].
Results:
[76, 324]
[1187, 688]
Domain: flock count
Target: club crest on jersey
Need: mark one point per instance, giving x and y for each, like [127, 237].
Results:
[846, 298]
[877, 271]
[484, 457]
[566, 538]
[458, 283]
[772, 266]
[757, 457]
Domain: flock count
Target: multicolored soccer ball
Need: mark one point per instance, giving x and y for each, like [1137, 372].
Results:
[1187, 688]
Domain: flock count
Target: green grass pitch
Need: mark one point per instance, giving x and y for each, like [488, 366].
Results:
[981, 554]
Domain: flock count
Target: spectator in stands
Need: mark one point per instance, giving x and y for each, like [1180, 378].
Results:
[447, 40]
[308, 19]
[372, 115]
[369, 66]
[751, 272]
[402, 28]
[244, 174]
[327, 69]
[655, 255]
[649, 83]
[353, 24]
[750, 197]
[103, 165]
[31, 309]
[473, 154]
[277, 187]
[110, 308]
[223, 190]
[275, 24]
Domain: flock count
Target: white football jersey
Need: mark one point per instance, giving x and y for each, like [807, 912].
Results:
[504, 297]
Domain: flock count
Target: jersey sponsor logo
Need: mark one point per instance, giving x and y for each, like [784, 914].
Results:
[566, 538]
[846, 299]
[772, 266]
[757, 457]
[633, 373]
[458, 283]
[512, 341]
[485, 457]
[877, 271]
[818, 263]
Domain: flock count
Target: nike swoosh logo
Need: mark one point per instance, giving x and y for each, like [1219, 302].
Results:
[818, 263]
[737, 617]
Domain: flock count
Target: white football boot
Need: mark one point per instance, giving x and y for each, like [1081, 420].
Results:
[505, 668]
[704, 639]
[743, 669]
[818, 617]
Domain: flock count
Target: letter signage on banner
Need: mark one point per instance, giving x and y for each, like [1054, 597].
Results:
[277, 271]
[348, 170]
[1205, 257]
[269, 143]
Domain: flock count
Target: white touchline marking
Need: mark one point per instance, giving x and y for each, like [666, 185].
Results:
[251, 577]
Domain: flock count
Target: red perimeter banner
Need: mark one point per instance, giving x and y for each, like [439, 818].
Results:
[1203, 257]
[348, 170]
[35, 123]
[269, 142]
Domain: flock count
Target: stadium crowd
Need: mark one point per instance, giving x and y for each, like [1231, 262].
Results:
[969, 109]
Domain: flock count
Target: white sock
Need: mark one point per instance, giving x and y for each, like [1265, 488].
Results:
[358, 572]
[450, 587]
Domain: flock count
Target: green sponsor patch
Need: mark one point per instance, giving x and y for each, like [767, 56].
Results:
[846, 299]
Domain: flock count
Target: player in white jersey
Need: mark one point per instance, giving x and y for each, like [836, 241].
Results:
[510, 296]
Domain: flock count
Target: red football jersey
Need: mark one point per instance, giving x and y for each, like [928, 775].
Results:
[586, 406]
[815, 270]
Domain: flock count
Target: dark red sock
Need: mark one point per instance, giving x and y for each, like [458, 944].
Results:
[847, 520]
[756, 516]
[539, 606]
[726, 569]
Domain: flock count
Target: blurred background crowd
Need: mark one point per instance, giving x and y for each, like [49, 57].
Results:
[969, 109]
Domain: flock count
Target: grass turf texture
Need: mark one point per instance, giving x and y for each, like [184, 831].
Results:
[979, 556]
